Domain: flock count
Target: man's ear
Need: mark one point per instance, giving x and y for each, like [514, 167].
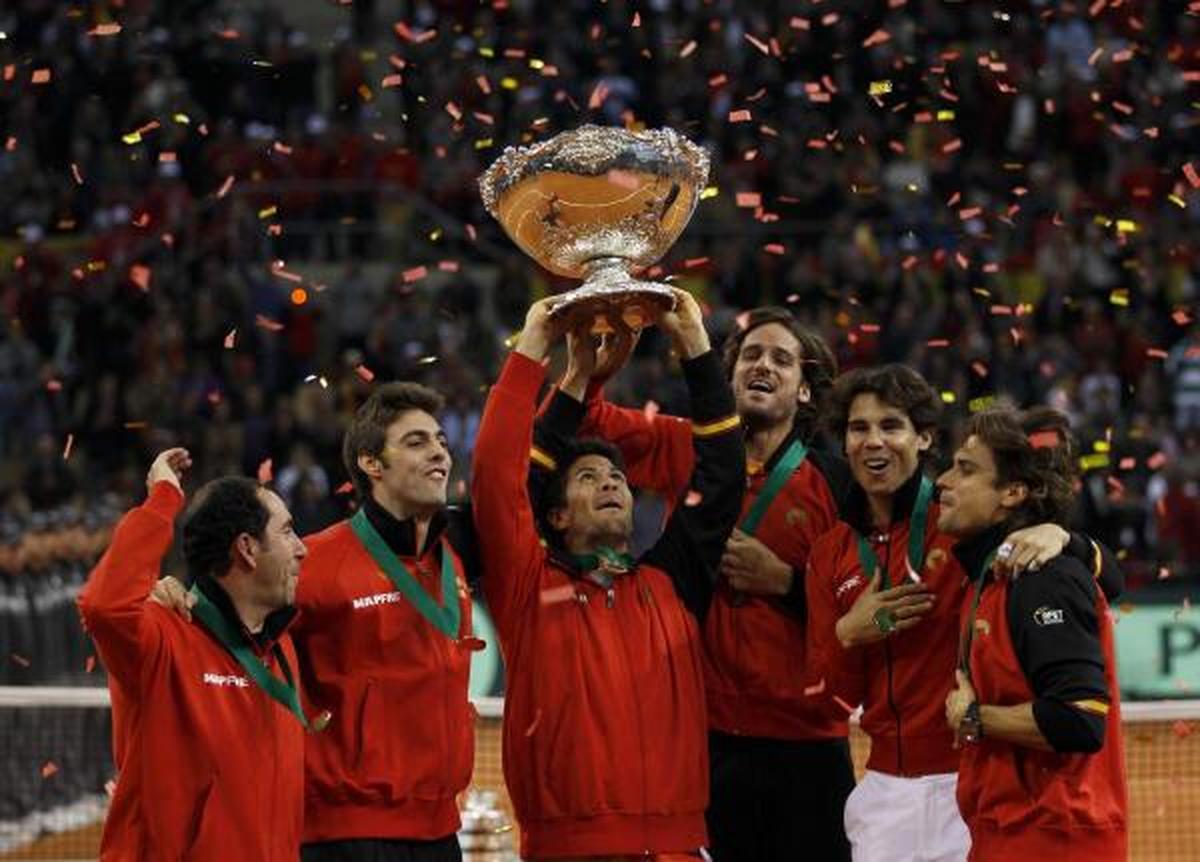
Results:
[804, 395]
[924, 440]
[370, 465]
[245, 551]
[558, 518]
[1014, 495]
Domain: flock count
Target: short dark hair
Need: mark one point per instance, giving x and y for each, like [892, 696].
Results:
[817, 363]
[896, 385]
[553, 493]
[1034, 447]
[223, 509]
[367, 434]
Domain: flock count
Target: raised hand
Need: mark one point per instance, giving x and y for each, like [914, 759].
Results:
[540, 330]
[169, 466]
[685, 325]
[173, 596]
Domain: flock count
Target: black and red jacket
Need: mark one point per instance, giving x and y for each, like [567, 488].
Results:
[400, 746]
[605, 745]
[1046, 640]
[755, 646]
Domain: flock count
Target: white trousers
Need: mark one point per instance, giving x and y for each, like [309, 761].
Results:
[893, 819]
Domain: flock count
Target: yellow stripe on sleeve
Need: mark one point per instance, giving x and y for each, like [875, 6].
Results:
[539, 457]
[1098, 707]
[1097, 560]
[718, 427]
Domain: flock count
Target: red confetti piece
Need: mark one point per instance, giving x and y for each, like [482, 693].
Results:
[969, 213]
[1156, 461]
[67, 447]
[1181, 729]
[554, 595]
[454, 111]
[49, 768]
[225, 186]
[19, 660]
[599, 94]
[811, 690]
[139, 274]
[105, 30]
[879, 37]
[774, 248]
[849, 709]
[264, 322]
[952, 146]
[344, 488]
[650, 409]
[265, 472]
[798, 23]
[231, 339]
[1046, 439]
[938, 342]
[749, 199]
[1156, 353]
[448, 265]
[90, 664]
[415, 274]
[482, 83]
[537, 718]
[740, 116]
[693, 498]
[53, 385]
[40, 76]
[759, 44]
[75, 173]
[1192, 177]
[693, 262]
[637, 20]
[688, 49]
[365, 373]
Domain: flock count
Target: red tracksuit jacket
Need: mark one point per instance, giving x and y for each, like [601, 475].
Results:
[400, 745]
[211, 767]
[901, 682]
[1022, 803]
[605, 747]
[755, 647]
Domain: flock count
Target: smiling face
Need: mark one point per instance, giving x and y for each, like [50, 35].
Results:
[882, 446]
[413, 469]
[598, 508]
[278, 557]
[768, 377]
[971, 495]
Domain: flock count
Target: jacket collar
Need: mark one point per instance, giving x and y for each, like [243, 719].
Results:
[274, 625]
[401, 536]
[973, 552]
[787, 441]
[858, 509]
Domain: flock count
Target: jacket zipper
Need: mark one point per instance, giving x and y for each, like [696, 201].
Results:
[887, 657]
[637, 699]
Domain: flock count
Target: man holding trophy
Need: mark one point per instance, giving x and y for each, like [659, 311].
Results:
[604, 735]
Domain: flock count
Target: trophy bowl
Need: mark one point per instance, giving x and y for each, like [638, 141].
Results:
[600, 204]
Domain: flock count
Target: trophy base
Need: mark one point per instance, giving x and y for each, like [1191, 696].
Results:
[635, 304]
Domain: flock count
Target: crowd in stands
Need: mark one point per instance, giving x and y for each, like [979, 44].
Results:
[1001, 198]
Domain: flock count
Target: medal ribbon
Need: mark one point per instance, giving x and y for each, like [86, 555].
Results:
[968, 635]
[780, 473]
[231, 638]
[916, 538]
[444, 617]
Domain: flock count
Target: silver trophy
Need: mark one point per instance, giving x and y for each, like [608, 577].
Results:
[486, 835]
[600, 204]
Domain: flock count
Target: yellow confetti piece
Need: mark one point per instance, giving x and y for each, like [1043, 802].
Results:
[183, 119]
[709, 192]
[535, 63]
[267, 212]
[1103, 221]
[1101, 446]
[879, 88]
[487, 52]
[1178, 201]
[132, 138]
[983, 402]
[365, 92]
[1125, 225]
[508, 83]
[1119, 297]
[1093, 462]
[949, 397]
[483, 143]
[945, 115]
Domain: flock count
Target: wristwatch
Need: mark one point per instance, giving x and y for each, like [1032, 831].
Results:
[970, 728]
[884, 621]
